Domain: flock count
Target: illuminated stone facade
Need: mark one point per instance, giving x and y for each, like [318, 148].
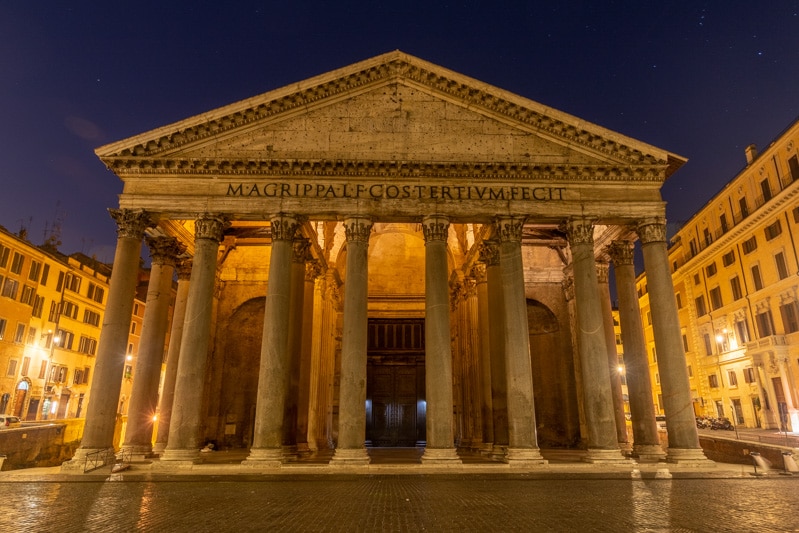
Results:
[394, 254]
[734, 268]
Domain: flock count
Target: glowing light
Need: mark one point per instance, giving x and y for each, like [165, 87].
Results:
[620, 369]
[129, 357]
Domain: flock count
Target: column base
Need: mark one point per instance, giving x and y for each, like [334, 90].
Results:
[290, 452]
[264, 458]
[137, 452]
[303, 450]
[77, 464]
[599, 455]
[181, 455]
[159, 448]
[350, 457]
[486, 449]
[688, 457]
[440, 456]
[648, 453]
[524, 457]
[499, 451]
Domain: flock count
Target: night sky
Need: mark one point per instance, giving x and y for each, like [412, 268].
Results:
[700, 79]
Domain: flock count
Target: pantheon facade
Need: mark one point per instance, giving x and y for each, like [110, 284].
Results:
[390, 254]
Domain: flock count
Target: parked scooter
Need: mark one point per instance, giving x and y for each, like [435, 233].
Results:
[721, 422]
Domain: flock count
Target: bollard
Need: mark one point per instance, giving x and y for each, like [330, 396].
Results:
[789, 463]
[758, 461]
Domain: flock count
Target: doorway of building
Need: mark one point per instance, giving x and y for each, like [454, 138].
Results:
[395, 405]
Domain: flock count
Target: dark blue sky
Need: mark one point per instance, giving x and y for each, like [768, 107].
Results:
[700, 79]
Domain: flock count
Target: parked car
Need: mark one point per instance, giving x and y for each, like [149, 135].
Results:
[8, 422]
[661, 421]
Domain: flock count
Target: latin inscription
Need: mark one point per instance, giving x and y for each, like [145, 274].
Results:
[381, 191]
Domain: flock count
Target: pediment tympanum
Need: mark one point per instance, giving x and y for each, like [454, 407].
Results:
[394, 137]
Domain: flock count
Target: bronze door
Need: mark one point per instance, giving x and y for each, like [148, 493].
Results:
[393, 392]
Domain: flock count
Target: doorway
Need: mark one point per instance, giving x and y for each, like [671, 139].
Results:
[395, 406]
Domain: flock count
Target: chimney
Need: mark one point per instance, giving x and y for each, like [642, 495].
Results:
[751, 153]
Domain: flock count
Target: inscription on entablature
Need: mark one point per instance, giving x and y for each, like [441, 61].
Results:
[383, 191]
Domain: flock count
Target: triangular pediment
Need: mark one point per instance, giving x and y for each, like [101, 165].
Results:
[389, 111]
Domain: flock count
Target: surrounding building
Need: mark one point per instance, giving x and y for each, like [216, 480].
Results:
[735, 271]
[389, 254]
[51, 314]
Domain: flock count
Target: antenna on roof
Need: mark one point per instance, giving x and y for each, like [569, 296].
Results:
[23, 228]
[53, 237]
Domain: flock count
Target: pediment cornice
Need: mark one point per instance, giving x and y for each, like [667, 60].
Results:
[391, 169]
[394, 67]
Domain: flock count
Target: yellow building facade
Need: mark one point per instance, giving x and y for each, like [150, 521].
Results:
[734, 268]
[51, 315]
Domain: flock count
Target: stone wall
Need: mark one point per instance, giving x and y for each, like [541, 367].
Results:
[47, 444]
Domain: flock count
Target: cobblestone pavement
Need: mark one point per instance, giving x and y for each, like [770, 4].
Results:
[399, 503]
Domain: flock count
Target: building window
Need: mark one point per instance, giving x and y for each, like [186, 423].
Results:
[685, 342]
[26, 365]
[690, 371]
[19, 335]
[2, 328]
[128, 372]
[654, 355]
[45, 273]
[16, 263]
[70, 310]
[715, 298]
[756, 279]
[765, 188]
[742, 331]
[678, 296]
[765, 324]
[773, 230]
[728, 258]
[10, 288]
[12, 368]
[713, 381]
[710, 270]
[78, 376]
[708, 237]
[697, 279]
[38, 306]
[700, 306]
[95, 293]
[87, 345]
[732, 378]
[750, 245]
[43, 370]
[708, 344]
[749, 375]
[782, 267]
[692, 245]
[790, 317]
[744, 208]
[36, 268]
[735, 285]
[796, 214]
[133, 328]
[27, 295]
[90, 317]
[723, 223]
[31, 337]
[64, 339]
[4, 251]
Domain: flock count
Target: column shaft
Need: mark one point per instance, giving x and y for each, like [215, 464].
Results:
[98, 432]
[184, 425]
[646, 443]
[273, 378]
[598, 400]
[522, 431]
[352, 400]
[144, 396]
[680, 420]
[173, 354]
[484, 355]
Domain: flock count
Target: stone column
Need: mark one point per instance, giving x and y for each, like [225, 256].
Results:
[680, 419]
[489, 254]
[352, 390]
[484, 358]
[440, 446]
[312, 270]
[186, 416]
[522, 433]
[164, 252]
[472, 335]
[297, 300]
[603, 445]
[602, 273]
[98, 432]
[172, 356]
[273, 378]
[646, 443]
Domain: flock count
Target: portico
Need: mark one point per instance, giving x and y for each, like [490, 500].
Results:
[323, 218]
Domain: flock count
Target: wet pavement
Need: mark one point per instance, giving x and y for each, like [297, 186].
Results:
[473, 502]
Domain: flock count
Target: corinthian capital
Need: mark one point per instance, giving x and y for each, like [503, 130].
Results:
[164, 250]
[284, 227]
[131, 223]
[621, 252]
[358, 229]
[580, 231]
[602, 270]
[651, 230]
[435, 228]
[210, 227]
[489, 252]
[509, 228]
[184, 269]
